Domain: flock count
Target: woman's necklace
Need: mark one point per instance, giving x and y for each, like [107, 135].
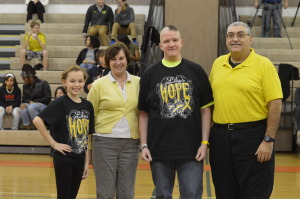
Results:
[9, 90]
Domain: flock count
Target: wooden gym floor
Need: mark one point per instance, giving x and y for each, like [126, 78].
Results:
[32, 176]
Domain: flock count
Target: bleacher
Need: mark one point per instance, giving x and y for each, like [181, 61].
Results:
[278, 50]
[64, 42]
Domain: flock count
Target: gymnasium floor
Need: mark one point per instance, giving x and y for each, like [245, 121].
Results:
[32, 176]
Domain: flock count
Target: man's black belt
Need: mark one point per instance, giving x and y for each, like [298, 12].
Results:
[244, 125]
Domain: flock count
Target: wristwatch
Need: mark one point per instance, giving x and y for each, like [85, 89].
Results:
[143, 146]
[268, 139]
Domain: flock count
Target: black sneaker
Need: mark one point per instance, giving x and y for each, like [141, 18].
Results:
[38, 66]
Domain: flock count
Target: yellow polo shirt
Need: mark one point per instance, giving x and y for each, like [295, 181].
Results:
[33, 44]
[241, 94]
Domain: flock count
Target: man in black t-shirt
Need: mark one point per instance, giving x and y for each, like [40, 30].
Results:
[175, 119]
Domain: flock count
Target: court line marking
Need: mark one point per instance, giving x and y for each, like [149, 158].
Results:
[141, 166]
[19, 195]
[207, 177]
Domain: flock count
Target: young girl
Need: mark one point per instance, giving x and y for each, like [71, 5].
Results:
[59, 91]
[10, 100]
[72, 119]
[87, 57]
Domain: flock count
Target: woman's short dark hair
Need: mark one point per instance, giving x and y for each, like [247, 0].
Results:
[124, 38]
[113, 50]
[94, 41]
[8, 75]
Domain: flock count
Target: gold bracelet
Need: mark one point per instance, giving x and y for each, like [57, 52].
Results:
[205, 142]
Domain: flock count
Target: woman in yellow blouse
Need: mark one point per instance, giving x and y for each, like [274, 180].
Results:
[115, 143]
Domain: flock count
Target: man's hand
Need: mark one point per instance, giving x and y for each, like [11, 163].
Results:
[84, 35]
[119, 10]
[264, 151]
[29, 34]
[201, 154]
[146, 155]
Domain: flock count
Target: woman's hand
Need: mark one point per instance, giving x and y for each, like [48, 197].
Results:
[146, 155]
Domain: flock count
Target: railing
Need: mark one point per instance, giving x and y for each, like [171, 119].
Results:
[151, 53]
[227, 16]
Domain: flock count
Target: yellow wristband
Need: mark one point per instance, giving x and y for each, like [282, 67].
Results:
[205, 142]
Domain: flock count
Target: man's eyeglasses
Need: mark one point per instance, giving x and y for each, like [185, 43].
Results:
[239, 35]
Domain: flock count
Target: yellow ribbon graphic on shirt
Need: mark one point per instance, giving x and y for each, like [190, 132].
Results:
[187, 100]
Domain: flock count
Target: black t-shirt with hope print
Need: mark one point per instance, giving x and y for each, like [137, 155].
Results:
[71, 123]
[173, 97]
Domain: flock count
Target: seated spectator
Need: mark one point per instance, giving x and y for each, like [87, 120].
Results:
[60, 91]
[10, 100]
[124, 21]
[133, 67]
[36, 6]
[97, 71]
[36, 95]
[87, 57]
[34, 46]
[101, 18]
[132, 47]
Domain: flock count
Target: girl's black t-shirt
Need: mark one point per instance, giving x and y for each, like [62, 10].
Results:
[71, 123]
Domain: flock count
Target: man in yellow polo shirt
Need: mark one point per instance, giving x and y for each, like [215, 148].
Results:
[247, 105]
[34, 46]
